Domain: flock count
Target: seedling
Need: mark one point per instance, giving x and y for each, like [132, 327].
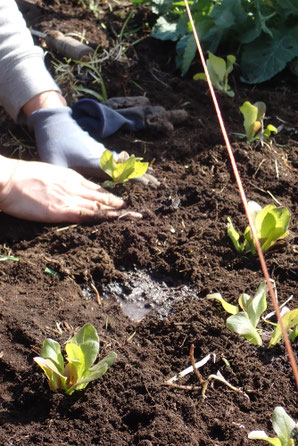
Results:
[284, 426]
[290, 322]
[254, 115]
[4, 257]
[121, 171]
[82, 351]
[219, 71]
[245, 322]
[271, 224]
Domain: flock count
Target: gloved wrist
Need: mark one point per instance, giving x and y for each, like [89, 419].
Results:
[61, 141]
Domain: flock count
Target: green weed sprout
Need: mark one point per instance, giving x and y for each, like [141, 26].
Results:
[245, 322]
[121, 171]
[219, 71]
[271, 224]
[285, 428]
[82, 351]
[254, 115]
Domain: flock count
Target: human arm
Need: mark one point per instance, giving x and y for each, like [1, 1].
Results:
[41, 192]
[23, 74]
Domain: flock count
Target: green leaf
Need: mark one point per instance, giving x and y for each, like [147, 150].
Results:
[56, 379]
[269, 129]
[250, 114]
[266, 56]
[123, 171]
[165, 30]
[200, 76]
[240, 323]
[107, 162]
[290, 320]
[289, 6]
[234, 235]
[75, 357]
[231, 309]
[294, 334]
[186, 50]
[52, 350]
[261, 435]
[271, 224]
[51, 272]
[282, 425]
[95, 372]
[256, 306]
[3, 258]
[93, 93]
[88, 341]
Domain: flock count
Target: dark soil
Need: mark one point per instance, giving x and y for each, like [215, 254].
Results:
[181, 244]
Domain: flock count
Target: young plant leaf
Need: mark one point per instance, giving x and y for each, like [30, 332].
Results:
[218, 70]
[232, 309]
[52, 350]
[283, 426]
[245, 322]
[271, 224]
[95, 372]
[255, 307]
[55, 378]
[107, 163]
[120, 172]
[254, 115]
[240, 323]
[290, 320]
[234, 236]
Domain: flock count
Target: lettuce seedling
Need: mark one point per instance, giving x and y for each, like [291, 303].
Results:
[284, 426]
[218, 70]
[290, 322]
[254, 115]
[82, 351]
[271, 224]
[122, 170]
[245, 322]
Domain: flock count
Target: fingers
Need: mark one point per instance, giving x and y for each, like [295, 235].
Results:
[90, 216]
[96, 193]
[148, 180]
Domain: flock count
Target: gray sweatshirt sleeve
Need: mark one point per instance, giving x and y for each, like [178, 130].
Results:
[23, 74]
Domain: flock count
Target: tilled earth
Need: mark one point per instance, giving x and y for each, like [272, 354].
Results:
[152, 275]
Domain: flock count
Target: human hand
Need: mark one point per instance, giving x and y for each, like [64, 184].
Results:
[41, 192]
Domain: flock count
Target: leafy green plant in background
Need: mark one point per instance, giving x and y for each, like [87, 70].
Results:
[245, 322]
[122, 170]
[284, 426]
[271, 224]
[254, 115]
[264, 33]
[82, 351]
[218, 70]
